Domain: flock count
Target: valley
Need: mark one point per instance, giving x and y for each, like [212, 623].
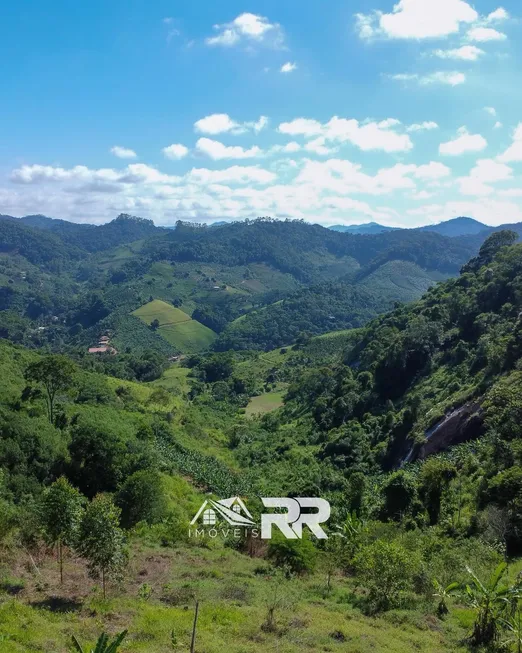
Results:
[380, 372]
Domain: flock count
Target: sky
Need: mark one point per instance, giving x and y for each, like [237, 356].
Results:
[338, 112]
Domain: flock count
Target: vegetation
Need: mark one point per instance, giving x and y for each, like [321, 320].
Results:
[408, 425]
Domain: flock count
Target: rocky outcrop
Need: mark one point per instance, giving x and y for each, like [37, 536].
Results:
[462, 424]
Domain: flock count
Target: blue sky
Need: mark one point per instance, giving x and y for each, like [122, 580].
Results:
[338, 112]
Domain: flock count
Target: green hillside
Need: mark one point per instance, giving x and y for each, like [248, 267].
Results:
[176, 327]
[161, 311]
[408, 426]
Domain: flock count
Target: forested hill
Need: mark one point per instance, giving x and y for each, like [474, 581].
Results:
[428, 375]
[302, 249]
[87, 237]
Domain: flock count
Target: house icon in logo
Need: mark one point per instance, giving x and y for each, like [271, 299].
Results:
[232, 510]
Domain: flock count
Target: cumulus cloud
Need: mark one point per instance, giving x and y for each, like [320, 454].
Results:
[123, 152]
[514, 151]
[465, 53]
[484, 34]
[497, 15]
[366, 136]
[428, 125]
[491, 110]
[247, 28]
[484, 173]
[288, 67]
[221, 123]
[218, 151]
[464, 142]
[175, 151]
[416, 19]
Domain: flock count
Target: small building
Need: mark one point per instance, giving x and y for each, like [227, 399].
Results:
[102, 349]
[104, 340]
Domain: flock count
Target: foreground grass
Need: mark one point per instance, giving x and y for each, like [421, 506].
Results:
[155, 603]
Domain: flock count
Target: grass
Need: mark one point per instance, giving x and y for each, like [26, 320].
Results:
[174, 379]
[265, 403]
[233, 599]
[166, 314]
[189, 337]
[176, 327]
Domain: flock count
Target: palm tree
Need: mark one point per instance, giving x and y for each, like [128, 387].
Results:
[495, 604]
[103, 645]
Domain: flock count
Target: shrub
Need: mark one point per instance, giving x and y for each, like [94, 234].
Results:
[386, 569]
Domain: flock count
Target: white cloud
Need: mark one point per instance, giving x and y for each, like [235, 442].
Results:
[175, 151]
[317, 146]
[232, 175]
[511, 192]
[488, 210]
[249, 28]
[417, 19]
[133, 173]
[465, 53]
[497, 15]
[491, 110]
[217, 123]
[421, 195]
[367, 136]
[123, 152]
[514, 151]
[288, 67]
[452, 78]
[484, 34]
[484, 173]
[422, 126]
[464, 142]
[221, 123]
[290, 148]
[218, 151]
[301, 127]
[432, 170]
[258, 125]
[497, 125]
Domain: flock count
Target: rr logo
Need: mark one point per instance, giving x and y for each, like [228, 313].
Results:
[291, 522]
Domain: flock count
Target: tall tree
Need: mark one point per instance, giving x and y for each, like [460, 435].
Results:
[60, 515]
[101, 541]
[55, 373]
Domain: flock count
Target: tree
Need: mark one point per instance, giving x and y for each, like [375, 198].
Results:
[155, 324]
[142, 498]
[434, 478]
[55, 373]
[386, 569]
[101, 541]
[60, 515]
[489, 249]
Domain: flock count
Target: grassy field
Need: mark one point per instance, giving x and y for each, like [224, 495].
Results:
[265, 403]
[189, 336]
[176, 327]
[155, 602]
[161, 311]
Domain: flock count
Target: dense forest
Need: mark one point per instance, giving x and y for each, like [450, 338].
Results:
[406, 421]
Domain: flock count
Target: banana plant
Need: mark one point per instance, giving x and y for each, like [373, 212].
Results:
[442, 594]
[103, 645]
[494, 602]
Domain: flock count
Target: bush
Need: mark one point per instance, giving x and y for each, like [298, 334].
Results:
[386, 569]
[297, 556]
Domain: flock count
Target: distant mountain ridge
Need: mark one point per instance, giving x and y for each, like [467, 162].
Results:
[366, 228]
